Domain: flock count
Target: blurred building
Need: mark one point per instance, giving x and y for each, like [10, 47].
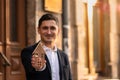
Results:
[90, 35]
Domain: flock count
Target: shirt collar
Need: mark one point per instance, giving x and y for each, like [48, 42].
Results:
[47, 48]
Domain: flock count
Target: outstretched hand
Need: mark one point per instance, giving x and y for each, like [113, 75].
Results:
[37, 62]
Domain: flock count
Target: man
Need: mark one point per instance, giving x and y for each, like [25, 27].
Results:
[55, 66]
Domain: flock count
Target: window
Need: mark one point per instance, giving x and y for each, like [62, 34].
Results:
[13, 21]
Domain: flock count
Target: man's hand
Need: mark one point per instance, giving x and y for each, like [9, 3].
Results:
[37, 62]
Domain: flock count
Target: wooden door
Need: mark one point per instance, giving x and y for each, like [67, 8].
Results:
[12, 38]
[2, 39]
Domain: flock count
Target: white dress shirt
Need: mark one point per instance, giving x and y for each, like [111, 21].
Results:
[54, 63]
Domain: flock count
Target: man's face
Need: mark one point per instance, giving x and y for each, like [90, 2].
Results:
[48, 31]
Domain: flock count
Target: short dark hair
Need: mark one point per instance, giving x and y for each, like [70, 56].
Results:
[47, 17]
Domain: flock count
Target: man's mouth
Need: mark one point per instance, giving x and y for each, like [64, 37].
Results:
[49, 35]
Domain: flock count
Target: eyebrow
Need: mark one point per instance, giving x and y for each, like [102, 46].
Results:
[51, 27]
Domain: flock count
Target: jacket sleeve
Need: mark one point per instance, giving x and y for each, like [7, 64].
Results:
[66, 66]
[26, 55]
[69, 69]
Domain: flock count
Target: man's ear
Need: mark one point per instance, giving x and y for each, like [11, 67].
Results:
[59, 30]
[38, 29]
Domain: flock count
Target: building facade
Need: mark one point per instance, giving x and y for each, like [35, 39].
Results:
[90, 35]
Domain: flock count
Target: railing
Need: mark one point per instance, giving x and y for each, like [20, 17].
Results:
[6, 62]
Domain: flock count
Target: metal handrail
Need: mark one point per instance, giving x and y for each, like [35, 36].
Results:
[7, 62]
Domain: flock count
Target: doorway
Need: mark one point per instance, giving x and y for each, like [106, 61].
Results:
[12, 39]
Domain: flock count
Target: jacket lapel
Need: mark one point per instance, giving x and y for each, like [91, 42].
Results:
[48, 64]
[60, 64]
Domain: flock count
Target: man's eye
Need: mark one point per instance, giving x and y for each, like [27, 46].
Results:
[45, 28]
[53, 28]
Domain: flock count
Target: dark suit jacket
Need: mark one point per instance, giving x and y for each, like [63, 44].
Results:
[31, 74]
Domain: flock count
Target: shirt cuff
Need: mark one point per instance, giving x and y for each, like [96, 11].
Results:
[41, 69]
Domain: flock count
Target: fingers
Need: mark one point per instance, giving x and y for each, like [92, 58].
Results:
[37, 62]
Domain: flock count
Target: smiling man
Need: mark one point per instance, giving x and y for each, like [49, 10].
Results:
[55, 64]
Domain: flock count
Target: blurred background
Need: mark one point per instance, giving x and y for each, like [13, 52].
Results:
[90, 35]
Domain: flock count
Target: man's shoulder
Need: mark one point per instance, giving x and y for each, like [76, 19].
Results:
[62, 52]
[29, 49]
[31, 46]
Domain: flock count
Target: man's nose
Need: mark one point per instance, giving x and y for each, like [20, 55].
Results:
[49, 31]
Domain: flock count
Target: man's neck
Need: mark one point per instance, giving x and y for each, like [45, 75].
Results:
[50, 45]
